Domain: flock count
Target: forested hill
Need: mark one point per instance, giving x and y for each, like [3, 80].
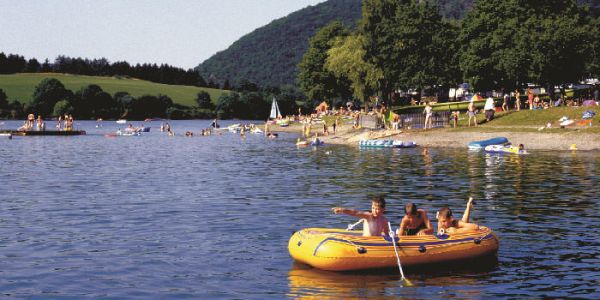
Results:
[269, 55]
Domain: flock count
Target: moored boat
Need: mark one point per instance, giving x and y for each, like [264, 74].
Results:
[342, 250]
[479, 145]
[505, 149]
[386, 144]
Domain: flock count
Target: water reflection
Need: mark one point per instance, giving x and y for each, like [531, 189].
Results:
[306, 282]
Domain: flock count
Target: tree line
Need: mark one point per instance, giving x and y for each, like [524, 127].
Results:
[51, 99]
[407, 45]
[14, 63]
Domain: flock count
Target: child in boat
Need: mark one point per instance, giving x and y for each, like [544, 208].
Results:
[414, 222]
[374, 223]
[447, 224]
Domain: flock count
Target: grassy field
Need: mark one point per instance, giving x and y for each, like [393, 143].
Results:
[20, 86]
[532, 120]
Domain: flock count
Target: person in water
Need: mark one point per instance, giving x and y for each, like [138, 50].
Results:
[374, 223]
[447, 223]
[415, 221]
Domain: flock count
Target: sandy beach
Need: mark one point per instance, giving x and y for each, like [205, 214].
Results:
[446, 137]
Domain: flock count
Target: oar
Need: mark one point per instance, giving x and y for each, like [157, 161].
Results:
[406, 281]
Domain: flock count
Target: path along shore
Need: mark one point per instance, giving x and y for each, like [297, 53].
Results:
[449, 138]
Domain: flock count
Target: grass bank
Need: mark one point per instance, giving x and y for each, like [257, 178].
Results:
[21, 86]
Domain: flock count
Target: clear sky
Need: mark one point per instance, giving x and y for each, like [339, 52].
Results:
[181, 33]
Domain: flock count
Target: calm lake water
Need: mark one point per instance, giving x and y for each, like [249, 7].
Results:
[210, 217]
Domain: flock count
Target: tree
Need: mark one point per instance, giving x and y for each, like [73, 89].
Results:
[149, 106]
[346, 59]
[92, 102]
[3, 103]
[203, 100]
[124, 100]
[592, 44]
[509, 43]
[46, 94]
[314, 79]
[62, 107]
[228, 105]
[33, 66]
[407, 40]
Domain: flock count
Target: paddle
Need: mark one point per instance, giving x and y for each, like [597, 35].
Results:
[406, 281]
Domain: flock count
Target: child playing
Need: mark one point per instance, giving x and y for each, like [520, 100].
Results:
[415, 221]
[374, 222]
[447, 224]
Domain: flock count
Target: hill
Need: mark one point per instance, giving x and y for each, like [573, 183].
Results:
[269, 55]
[21, 86]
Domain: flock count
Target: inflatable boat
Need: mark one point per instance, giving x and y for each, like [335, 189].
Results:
[505, 149]
[480, 145]
[342, 250]
[386, 144]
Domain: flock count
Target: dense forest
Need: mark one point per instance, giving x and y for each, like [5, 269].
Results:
[269, 55]
[408, 45]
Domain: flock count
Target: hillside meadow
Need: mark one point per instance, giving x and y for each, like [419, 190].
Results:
[21, 86]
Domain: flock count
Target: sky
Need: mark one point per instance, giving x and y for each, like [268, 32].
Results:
[181, 33]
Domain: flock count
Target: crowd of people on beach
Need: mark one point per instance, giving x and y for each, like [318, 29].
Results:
[415, 221]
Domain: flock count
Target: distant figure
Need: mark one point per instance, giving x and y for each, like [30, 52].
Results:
[39, 124]
[454, 118]
[505, 102]
[215, 124]
[530, 98]
[428, 111]
[334, 125]
[58, 123]
[471, 112]
[489, 109]
[517, 100]
[28, 124]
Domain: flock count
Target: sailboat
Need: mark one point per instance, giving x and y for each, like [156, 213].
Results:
[275, 112]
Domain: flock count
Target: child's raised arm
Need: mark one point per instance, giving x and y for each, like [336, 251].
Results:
[467, 213]
[351, 212]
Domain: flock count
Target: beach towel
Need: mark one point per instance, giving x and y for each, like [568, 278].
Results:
[589, 103]
[588, 114]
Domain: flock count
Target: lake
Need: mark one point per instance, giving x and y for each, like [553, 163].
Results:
[164, 217]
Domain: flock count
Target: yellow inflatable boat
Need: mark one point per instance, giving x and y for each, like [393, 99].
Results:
[342, 250]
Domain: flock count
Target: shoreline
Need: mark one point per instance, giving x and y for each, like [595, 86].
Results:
[447, 138]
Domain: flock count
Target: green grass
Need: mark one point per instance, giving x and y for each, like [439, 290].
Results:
[21, 86]
[531, 120]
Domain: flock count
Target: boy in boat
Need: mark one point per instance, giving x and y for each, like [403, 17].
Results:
[374, 223]
[414, 222]
[447, 224]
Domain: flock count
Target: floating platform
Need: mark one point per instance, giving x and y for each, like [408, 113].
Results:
[44, 132]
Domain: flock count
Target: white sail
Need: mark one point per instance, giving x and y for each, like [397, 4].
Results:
[275, 113]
